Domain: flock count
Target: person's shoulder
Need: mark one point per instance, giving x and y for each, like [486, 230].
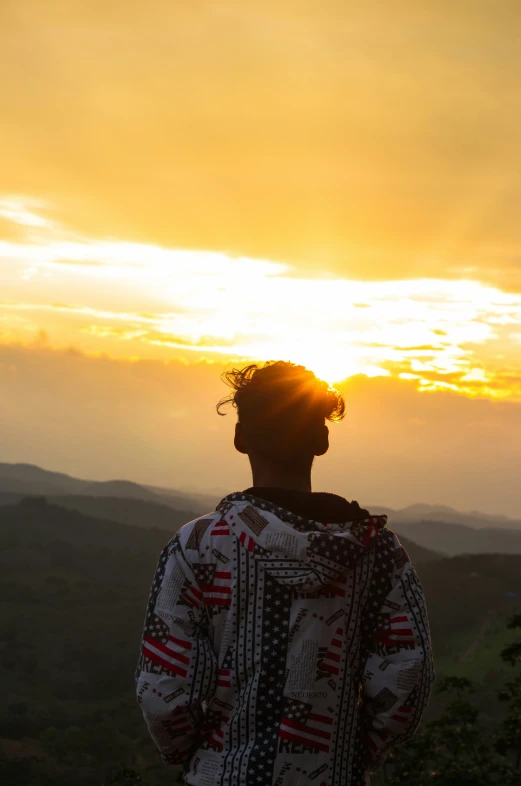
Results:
[387, 538]
[194, 536]
[198, 525]
[388, 547]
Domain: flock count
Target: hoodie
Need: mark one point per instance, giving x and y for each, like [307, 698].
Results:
[286, 642]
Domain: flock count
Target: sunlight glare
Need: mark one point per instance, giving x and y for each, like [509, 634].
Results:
[139, 300]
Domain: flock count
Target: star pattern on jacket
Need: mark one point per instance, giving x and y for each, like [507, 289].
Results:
[283, 648]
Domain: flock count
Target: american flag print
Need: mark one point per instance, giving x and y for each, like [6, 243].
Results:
[328, 555]
[190, 595]
[383, 701]
[247, 541]
[216, 738]
[179, 724]
[394, 632]
[333, 656]
[214, 585]
[366, 531]
[165, 650]
[305, 727]
[253, 519]
[212, 719]
[212, 729]
[224, 675]
[377, 741]
[400, 557]
[336, 588]
[194, 541]
[278, 649]
[224, 507]
[402, 715]
[220, 528]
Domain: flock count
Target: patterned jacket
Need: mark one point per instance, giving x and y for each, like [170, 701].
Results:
[279, 650]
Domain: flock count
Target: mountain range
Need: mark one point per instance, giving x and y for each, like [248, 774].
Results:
[474, 518]
[427, 531]
[30, 480]
[76, 562]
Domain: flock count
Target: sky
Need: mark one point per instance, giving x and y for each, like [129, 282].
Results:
[190, 186]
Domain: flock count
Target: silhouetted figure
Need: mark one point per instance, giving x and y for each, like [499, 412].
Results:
[286, 638]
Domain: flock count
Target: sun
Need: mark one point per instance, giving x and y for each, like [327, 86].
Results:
[330, 363]
[330, 366]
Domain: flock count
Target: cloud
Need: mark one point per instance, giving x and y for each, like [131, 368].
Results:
[370, 139]
[146, 300]
[18, 211]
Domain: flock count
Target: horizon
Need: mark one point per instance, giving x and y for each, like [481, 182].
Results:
[204, 491]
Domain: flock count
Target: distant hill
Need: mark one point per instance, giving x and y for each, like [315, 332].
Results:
[10, 497]
[200, 502]
[418, 554]
[150, 514]
[423, 512]
[34, 522]
[450, 532]
[29, 476]
[122, 488]
[136, 512]
[452, 539]
[428, 530]
[27, 480]
[25, 488]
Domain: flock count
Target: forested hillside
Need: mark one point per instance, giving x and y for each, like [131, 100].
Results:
[73, 595]
[124, 510]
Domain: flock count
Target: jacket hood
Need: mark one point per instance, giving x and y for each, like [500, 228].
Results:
[297, 551]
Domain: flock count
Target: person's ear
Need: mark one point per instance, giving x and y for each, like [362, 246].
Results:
[322, 445]
[239, 440]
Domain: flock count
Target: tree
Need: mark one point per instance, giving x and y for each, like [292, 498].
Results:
[456, 749]
[126, 776]
[512, 653]
[508, 738]
[450, 750]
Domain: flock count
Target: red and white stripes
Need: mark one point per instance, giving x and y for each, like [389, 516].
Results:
[333, 655]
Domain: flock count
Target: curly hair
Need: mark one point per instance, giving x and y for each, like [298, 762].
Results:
[280, 404]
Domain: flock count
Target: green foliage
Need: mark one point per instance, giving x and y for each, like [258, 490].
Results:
[456, 749]
[508, 737]
[126, 776]
[512, 653]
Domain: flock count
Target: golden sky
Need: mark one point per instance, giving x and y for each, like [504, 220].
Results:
[329, 182]
[134, 300]
[374, 140]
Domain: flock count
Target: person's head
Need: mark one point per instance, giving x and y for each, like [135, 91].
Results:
[282, 409]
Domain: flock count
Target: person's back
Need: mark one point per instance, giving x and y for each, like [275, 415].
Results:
[286, 639]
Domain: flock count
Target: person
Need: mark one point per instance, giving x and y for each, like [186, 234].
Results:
[286, 639]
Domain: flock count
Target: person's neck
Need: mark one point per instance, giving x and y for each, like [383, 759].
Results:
[275, 477]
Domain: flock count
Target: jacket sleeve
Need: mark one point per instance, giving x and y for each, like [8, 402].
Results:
[176, 672]
[398, 671]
